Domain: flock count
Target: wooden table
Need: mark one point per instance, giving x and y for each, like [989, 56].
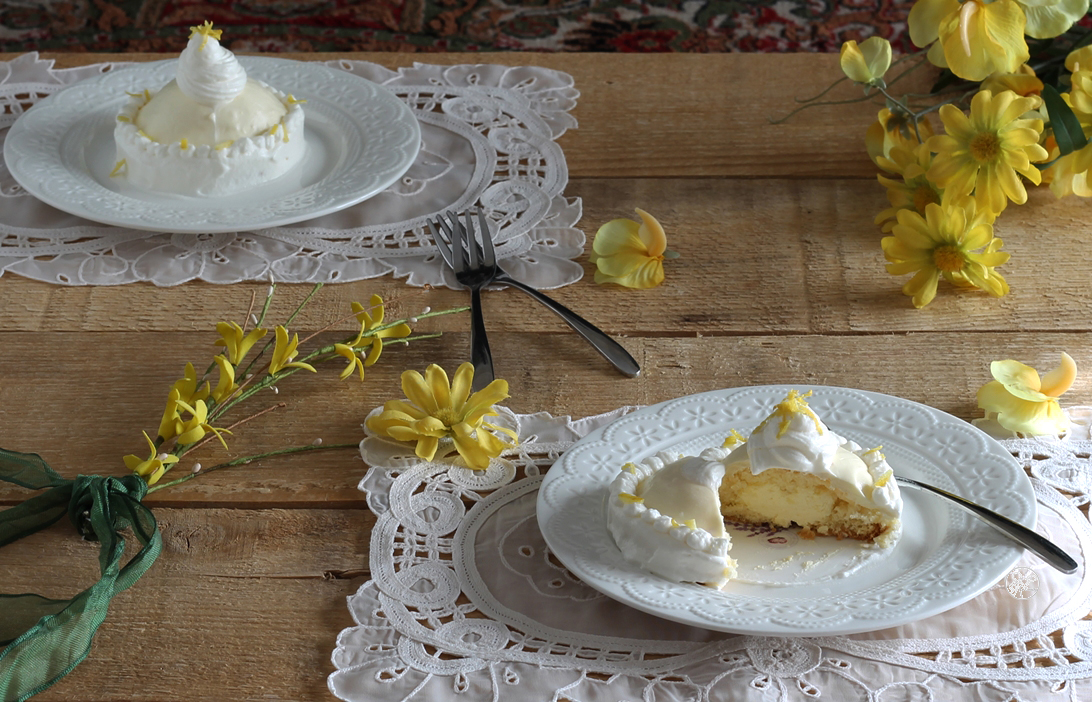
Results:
[780, 280]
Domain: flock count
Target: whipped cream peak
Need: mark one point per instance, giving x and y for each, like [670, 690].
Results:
[792, 437]
[208, 73]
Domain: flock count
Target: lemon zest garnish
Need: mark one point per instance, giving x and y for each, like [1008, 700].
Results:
[274, 128]
[293, 101]
[630, 468]
[630, 499]
[135, 95]
[147, 94]
[692, 523]
[184, 144]
[224, 144]
[117, 168]
[874, 450]
[141, 133]
[674, 523]
[884, 478]
[206, 31]
[124, 118]
[734, 438]
[788, 408]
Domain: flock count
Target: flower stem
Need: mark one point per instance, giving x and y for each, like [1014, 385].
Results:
[248, 459]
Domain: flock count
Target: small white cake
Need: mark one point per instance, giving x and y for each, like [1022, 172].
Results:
[667, 514]
[210, 132]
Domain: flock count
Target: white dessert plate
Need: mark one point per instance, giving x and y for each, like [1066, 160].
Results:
[792, 587]
[361, 138]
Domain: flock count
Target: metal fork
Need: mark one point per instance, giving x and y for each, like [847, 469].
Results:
[474, 272]
[606, 346]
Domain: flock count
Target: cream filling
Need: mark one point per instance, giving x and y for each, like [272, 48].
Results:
[172, 116]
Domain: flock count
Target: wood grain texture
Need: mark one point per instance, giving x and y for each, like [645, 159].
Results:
[780, 280]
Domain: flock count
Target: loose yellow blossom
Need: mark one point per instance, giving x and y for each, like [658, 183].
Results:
[988, 151]
[893, 130]
[152, 467]
[354, 360]
[1068, 175]
[1051, 18]
[952, 241]
[630, 253]
[369, 323]
[867, 62]
[1023, 402]
[236, 344]
[226, 385]
[188, 388]
[284, 351]
[434, 410]
[973, 38]
[193, 429]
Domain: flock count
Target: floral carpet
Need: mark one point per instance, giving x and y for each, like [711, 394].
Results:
[454, 25]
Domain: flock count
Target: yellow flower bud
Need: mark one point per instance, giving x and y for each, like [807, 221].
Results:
[867, 62]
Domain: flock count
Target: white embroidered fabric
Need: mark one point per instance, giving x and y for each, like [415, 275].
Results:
[488, 141]
[465, 603]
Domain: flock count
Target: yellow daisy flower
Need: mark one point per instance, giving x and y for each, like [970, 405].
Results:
[630, 253]
[1023, 402]
[284, 351]
[988, 151]
[867, 62]
[434, 409]
[154, 466]
[973, 38]
[914, 190]
[236, 344]
[369, 323]
[952, 241]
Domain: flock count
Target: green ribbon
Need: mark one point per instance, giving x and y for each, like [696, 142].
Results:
[45, 639]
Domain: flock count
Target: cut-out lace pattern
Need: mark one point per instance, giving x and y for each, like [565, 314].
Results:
[432, 624]
[489, 140]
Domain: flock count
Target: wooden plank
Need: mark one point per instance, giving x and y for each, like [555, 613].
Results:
[242, 604]
[43, 395]
[765, 256]
[655, 115]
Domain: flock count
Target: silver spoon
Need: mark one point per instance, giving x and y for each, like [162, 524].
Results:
[1041, 547]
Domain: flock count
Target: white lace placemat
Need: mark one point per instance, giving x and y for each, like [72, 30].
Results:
[488, 140]
[466, 603]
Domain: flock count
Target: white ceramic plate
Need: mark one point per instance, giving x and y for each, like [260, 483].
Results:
[943, 558]
[360, 139]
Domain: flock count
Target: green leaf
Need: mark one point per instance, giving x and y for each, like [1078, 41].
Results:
[1067, 128]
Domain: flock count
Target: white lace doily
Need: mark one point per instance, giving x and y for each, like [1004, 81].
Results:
[466, 603]
[488, 140]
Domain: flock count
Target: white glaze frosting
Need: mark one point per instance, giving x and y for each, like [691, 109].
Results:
[658, 541]
[211, 131]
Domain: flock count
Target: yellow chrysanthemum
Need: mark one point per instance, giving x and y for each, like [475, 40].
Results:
[434, 409]
[987, 152]
[893, 130]
[1069, 174]
[952, 241]
[867, 62]
[235, 343]
[284, 351]
[914, 190]
[630, 253]
[1023, 402]
[369, 322]
[973, 38]
[154, 466]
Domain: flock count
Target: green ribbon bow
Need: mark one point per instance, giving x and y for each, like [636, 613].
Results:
[45, 639]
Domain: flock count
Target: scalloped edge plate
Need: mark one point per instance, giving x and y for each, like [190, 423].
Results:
[361, 138]
[943, 558]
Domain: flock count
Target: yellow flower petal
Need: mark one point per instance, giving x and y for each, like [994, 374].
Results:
[1020, 415]
[1058, 381]
[867, 62]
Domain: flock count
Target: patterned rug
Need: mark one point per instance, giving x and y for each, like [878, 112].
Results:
[454, 25]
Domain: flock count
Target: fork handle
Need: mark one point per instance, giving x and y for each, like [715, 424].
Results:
[606, 346]
[480, 354]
